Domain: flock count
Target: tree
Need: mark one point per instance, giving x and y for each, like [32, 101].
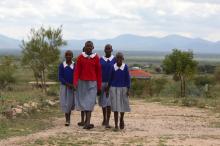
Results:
[217, 74]
[7, 69]
[182, 66]
[53, 72]
[41, 51]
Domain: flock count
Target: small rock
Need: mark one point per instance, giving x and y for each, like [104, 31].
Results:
[9, 114]
[17, 110]
[18, 106]
[26, 105]
[51, 103]
[34, 104]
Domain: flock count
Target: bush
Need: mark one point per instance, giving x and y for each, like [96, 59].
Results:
[53, 91]
[203, 80]
[192, 90]
[189, 101]
[148, 87]
[206, 69]
[171, 89]
[137, 87]
[158, 85]
[6, 72]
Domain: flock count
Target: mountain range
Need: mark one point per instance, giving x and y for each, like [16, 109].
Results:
[135, 43]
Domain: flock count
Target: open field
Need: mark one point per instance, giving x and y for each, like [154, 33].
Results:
[156, 120]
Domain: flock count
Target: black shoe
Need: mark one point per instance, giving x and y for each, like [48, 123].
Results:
[88, 127]
[108, 127]
[67, 124]
[122, 124]
[116, 129]
[81, 124]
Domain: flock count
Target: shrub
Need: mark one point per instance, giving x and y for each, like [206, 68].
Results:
[158, 85]
[189, 101]
[137, 87]
[53, 91]
[203, 80]
[6, 72]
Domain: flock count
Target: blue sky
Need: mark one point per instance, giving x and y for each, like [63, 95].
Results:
[85, 19]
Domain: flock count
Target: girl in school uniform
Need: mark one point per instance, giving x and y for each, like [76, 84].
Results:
[87, 80]
[107, 62]
[119, 90]
[66, 70]
[82, 123]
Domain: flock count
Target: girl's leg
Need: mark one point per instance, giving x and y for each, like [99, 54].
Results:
[82, 123]
[67, 116]
[88, 118]
[108, 117]
[104, 111]
[122, 124]
[82, 116]
[116, 119]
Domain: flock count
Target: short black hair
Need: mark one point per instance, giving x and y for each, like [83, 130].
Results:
[69, 51]
[108, 45]
[88, 42]
[119, 54]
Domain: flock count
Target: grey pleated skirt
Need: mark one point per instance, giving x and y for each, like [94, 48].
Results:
[86, 94]
[119, 99]
[103, 100]
[66, 99]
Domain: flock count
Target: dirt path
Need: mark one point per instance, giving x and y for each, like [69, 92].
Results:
[148, 124]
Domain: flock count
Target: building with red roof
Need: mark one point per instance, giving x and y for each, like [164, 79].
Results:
[139, 73]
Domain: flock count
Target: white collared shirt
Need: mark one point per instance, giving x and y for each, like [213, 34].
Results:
[110, 58]
[71, 65]
[88, 56]
[122, 67]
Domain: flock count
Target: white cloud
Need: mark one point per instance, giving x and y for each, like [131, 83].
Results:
[108, 18]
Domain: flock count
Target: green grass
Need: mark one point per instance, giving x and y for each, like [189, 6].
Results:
[19, 93]
[63, 140]
[35, 120]
[163, 141]
[200, 102]
[24, 125]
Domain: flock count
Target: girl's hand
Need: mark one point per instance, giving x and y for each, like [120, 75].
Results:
[74, 88]
[98, 92]
[106, 89]
[69, 85]
[128, 93]
[107, 93]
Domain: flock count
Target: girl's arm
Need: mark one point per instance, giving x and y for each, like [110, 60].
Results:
[111, 76]
[76, 72]
[99, 74]
[128, 77]
[110, 80]
[128, 80]
[61, 74]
